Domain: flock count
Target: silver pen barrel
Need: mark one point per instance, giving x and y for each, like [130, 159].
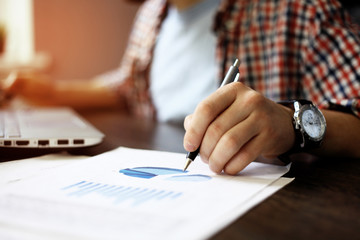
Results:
[231, 74]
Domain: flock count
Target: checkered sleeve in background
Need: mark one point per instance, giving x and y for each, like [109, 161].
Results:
[331, 58]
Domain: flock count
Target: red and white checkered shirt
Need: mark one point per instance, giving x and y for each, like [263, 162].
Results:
[288, 49]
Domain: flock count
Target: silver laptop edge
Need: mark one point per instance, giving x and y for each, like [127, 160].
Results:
[47, 128]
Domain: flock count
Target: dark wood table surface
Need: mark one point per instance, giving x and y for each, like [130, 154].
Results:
[323, 202]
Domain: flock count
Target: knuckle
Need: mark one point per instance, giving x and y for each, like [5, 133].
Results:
[215, 129]
[205, 108]
[246, 156]
[254, 98]
[230, 141]
[234, 87]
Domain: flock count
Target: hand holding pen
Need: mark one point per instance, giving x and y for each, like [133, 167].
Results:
[231, 76]
[235, 125]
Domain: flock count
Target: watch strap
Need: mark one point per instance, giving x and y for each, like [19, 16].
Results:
[299, 137]
[290, 103]
[300, 143]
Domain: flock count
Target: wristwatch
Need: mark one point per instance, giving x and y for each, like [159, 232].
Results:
[309, 124]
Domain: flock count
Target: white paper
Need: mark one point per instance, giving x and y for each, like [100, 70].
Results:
[104, 198]
[16, 170]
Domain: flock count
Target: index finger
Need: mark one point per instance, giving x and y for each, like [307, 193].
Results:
[205, 113]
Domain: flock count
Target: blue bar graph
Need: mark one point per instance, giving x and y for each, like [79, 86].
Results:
[118, 194]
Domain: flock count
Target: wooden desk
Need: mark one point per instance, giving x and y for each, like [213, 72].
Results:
[323, 202]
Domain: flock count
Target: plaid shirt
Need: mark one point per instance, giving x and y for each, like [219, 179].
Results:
[288, 49]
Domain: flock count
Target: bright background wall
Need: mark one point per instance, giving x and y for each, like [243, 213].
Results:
[83, 37]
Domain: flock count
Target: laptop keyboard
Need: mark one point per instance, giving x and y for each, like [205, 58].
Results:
[9, 126]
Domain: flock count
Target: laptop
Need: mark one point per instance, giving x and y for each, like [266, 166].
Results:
[46, 128]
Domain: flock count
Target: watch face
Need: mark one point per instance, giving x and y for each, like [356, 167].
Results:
[313, 123]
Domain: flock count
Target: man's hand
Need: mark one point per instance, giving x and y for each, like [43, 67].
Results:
[235, 125]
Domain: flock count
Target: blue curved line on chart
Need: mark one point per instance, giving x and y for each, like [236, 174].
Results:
[189, 178]
[150, 172]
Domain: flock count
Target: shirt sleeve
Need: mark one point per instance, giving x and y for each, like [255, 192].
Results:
[115, 79]
[130, 82]
[331, 58]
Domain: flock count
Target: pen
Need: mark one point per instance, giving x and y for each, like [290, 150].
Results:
[231, 76]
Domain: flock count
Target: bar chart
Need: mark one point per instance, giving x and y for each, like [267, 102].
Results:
[119, 193]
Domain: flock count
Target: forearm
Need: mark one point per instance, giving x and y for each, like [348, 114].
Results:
[40, 90]
[84, 94]
[342, 135]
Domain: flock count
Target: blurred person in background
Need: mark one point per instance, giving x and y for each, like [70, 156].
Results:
[179, 51]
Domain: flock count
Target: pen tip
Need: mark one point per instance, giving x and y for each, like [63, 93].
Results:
[188, 161]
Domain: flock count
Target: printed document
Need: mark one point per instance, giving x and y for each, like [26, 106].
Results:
[132, 194]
